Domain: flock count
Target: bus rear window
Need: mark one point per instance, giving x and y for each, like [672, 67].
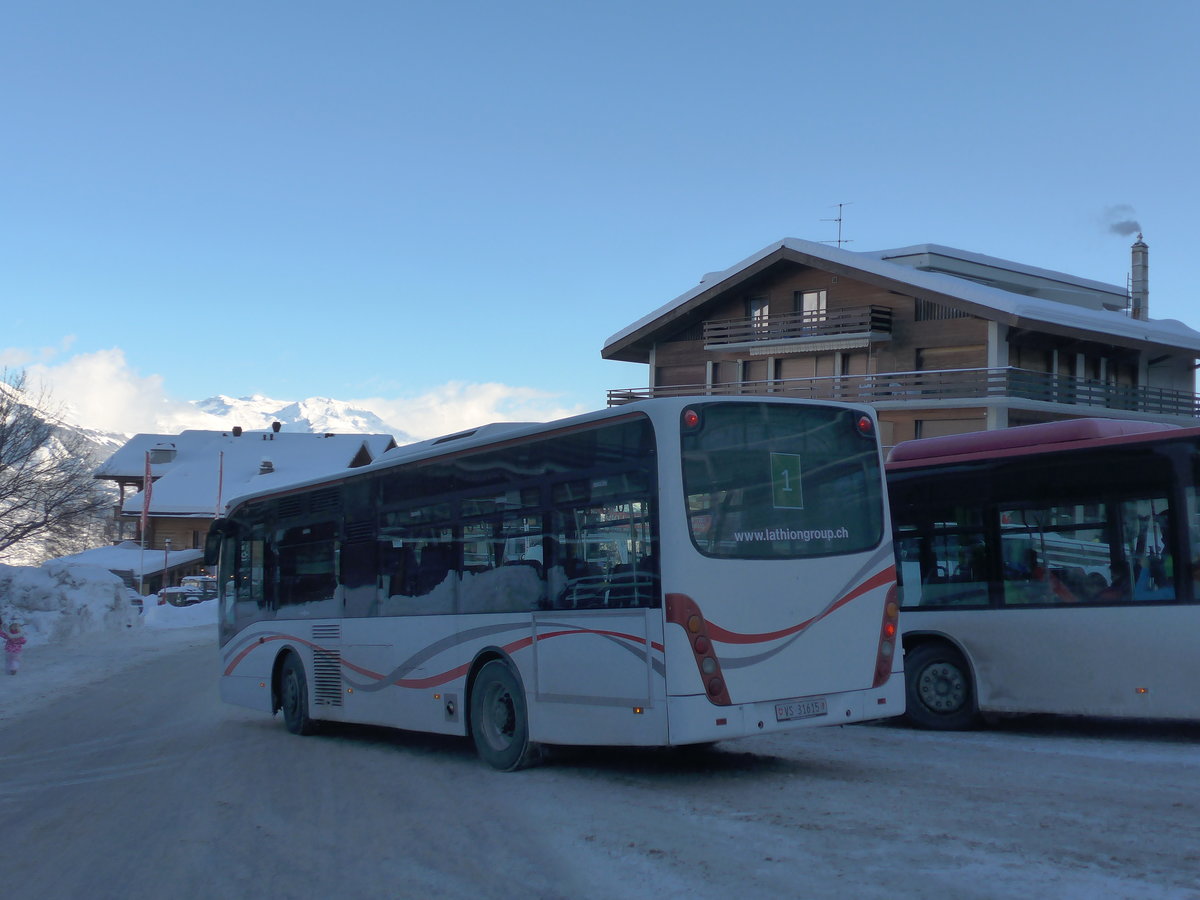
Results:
[773, 481]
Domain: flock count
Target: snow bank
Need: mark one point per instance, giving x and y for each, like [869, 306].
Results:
[156, 615]
[55, 602]
[60, 601]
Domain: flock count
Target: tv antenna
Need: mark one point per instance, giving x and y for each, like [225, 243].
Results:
[839, 240]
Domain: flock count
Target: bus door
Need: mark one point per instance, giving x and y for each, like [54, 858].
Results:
[600, 640]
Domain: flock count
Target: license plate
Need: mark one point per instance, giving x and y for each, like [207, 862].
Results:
[801, 709]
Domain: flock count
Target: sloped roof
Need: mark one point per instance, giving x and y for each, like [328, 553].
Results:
[128, 556]
[211, 466]
[633, 342]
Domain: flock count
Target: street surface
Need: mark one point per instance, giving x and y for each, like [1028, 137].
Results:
[136, 781]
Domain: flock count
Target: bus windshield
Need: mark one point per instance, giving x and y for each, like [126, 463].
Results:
[780, 482]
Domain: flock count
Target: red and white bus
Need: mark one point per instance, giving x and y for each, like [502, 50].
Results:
[1049, 569]
[669, 572]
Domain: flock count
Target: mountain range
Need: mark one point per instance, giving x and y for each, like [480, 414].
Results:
[316, 414]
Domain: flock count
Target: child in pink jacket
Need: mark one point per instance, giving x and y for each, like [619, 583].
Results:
[14, 641]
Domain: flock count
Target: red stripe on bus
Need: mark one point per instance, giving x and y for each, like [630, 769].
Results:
[262, 640]
[443, 677]
[717, 633]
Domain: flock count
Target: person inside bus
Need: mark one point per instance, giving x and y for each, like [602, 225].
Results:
[1054, 588]
[1118, 588]
[1154, 580]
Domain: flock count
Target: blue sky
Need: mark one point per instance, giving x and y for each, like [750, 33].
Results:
[405, 201]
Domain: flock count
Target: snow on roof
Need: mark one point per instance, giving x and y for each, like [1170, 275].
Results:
[128, 556]
[995, 262]
[1168, 332]
[208, 463]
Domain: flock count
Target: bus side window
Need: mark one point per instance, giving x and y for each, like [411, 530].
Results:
[606, 556]
[1148, 541]
[503, 566]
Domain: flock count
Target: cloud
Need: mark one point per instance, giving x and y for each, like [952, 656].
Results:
[23, 357]
[459, 405]
[100, 390]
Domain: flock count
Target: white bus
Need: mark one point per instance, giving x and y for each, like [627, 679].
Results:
[669, 572]
[1049, 569]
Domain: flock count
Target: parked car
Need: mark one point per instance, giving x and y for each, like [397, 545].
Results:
[192, 589]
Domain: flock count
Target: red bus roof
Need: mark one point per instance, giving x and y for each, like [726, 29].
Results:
[1019, 440]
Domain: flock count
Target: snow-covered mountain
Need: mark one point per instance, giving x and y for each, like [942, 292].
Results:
[316, 414]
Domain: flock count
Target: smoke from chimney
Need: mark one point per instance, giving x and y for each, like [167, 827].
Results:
[1120, 220]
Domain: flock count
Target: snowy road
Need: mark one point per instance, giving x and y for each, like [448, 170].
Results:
[136, 781]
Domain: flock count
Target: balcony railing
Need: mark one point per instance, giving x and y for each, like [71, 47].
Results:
[920, 388]
[866, 320]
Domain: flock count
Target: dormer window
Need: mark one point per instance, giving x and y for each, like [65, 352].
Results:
[162, 453]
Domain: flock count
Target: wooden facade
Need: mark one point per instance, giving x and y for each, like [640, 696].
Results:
[804, 322]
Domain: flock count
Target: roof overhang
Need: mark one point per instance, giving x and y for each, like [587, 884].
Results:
[634, 343]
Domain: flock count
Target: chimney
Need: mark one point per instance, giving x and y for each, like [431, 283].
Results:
[237, 430]
[266, 467]
[275, 426]
[1140, 286]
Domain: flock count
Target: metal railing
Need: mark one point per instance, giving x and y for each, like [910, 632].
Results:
[919, 388]
[796, 326]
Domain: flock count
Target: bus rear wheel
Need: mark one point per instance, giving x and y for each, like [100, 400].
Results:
[500, 720]
[940, 694]
[293, 696]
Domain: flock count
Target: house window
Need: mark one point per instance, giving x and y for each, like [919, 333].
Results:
[811, 304]
[757, 310]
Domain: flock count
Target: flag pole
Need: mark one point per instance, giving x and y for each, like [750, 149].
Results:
[147, 489]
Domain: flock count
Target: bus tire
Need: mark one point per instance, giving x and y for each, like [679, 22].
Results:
[293, 696]
[500, 719]
[940, 693]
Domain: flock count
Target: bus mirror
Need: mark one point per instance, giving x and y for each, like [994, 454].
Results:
[212, 542]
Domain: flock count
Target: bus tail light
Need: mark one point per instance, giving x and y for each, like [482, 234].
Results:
[682, 610]
[889, 633]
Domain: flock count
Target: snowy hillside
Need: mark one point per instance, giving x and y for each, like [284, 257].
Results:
[317, 415]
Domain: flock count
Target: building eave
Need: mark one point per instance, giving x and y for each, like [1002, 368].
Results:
[633, 344]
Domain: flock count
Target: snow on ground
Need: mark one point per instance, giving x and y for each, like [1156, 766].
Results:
[81, 624]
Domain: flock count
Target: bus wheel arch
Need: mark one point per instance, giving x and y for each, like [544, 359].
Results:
[498, 714]
[289, 693]
[939, 685]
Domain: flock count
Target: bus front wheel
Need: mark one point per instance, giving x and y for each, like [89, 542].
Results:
[938, 683]
[500, 720]
[293, 696]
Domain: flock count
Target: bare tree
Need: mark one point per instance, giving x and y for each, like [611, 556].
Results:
[47, 493]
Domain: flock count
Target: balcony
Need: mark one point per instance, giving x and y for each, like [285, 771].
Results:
[894, 390]
[763, 334]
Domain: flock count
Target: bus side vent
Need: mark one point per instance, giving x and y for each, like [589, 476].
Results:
[329, 632]
[327, 677]
[290, 507]
[360, 532]
[328, 500]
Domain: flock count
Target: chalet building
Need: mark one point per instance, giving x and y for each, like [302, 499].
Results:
[194, 473]
[940, 341]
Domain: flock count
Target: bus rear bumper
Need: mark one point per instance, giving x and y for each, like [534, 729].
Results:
[694, 719]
